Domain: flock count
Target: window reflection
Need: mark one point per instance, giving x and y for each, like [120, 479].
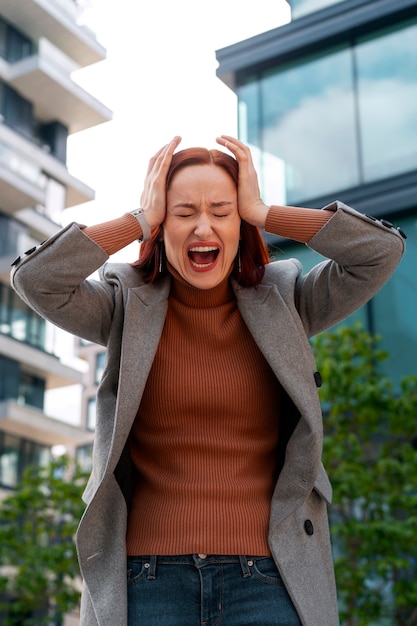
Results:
[83, 456]
[16, 455]
[18, 321]
[395, 306]
[387, 100]
[342, 118]
[308, 122]
[9, 462]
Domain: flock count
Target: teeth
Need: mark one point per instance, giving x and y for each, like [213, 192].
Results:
[203, 249]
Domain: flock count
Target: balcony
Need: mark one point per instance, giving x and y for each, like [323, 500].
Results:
[20, 180]
[33, 424]
[44, 80]
[56, 373]
[56, 20]
[16, 192]
[24, 170]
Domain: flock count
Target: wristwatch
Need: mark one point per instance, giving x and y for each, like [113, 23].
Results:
[146, 229]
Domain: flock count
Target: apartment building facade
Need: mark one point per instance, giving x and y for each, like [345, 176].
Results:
[328, 103]
[42, 43]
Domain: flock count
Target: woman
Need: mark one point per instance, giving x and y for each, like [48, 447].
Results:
[207, 485]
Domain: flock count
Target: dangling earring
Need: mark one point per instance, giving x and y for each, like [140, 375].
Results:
[160, 251]
[239, 263]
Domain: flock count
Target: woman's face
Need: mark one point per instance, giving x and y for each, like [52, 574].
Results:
[202, 224]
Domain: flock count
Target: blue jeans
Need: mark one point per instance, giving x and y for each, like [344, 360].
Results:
[200, 590]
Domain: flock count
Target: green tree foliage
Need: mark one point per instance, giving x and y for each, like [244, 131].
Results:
[39, 575]
[370, 452]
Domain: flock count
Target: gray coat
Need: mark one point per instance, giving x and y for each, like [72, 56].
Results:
[127, 316]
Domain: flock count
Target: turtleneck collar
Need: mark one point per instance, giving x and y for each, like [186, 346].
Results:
[197, 298]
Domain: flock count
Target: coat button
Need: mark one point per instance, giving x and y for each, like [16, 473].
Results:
[308, 527]
[318, 380]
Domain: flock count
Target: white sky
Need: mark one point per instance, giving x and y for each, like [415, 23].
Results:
[159, 79]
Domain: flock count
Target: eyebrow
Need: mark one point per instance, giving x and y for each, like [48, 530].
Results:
[191, 205]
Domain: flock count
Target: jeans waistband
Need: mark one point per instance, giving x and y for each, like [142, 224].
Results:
[197, 560]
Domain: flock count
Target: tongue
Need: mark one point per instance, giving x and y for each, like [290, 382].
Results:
[203, 258]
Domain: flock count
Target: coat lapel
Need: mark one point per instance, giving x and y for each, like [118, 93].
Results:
[145, 314]
[281, 338]
[279, 335]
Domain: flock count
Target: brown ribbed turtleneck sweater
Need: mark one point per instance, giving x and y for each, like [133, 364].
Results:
[204, 443]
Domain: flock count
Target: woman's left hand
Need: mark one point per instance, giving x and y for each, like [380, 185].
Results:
[251, 207]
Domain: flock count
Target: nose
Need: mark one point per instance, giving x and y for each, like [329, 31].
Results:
[203, 227]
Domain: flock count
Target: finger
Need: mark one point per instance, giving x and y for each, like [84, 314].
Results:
[168, 148]
[239, 149]
[153, 159]
[228, 139]
[175, 141]
[163, 160]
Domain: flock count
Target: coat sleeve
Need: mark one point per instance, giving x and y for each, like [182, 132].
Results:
[362, 254]
[55, 281]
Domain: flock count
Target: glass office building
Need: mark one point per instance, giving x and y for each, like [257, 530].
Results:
[328, 104]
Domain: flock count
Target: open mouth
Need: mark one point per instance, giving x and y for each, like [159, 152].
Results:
[203, 256]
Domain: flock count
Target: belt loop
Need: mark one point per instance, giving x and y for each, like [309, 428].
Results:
[152, 568]
[244, 566]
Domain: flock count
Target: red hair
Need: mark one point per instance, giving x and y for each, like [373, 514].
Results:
[249, 268]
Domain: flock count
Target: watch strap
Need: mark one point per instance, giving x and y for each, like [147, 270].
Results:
[146, 229]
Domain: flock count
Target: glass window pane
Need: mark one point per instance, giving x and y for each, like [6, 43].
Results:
[9, 461]
[31, 390]
[18, 454]
[9, 378]
[394, 309]
[249, 113]
[387, 101]
[308, 122]
[55, 199]
[83, 456]
[3, 39]
[18, 321]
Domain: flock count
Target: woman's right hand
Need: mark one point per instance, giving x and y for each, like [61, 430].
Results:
[153, 198]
